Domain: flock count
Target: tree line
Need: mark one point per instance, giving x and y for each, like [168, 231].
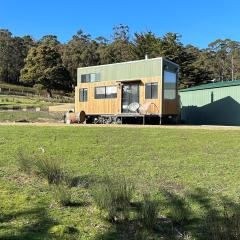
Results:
[47, 63]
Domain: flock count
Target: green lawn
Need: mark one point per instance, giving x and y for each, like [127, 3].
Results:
[195, 169]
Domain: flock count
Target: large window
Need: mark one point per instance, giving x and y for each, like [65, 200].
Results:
[83, 95]
[105, 92]
[91, 77]
[151, 91]
[170, 84]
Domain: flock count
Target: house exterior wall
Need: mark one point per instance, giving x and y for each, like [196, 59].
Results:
[113, 105]
[218, 106]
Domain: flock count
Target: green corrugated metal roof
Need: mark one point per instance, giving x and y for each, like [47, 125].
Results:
[212, 85]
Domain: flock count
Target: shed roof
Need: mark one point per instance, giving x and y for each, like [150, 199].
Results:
[212, 85]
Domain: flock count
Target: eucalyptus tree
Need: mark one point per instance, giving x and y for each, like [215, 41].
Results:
[119, 48]
[225, 59]
[43, 66]
[146, 44]
[80, 51]
[13, 50]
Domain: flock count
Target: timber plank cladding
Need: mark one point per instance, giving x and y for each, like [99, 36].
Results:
[110, 89]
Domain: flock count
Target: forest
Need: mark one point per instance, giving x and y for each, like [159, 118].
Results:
[49, 64]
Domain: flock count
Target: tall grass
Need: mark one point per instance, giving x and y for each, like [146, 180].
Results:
[178, 207]
[25, 161]
[41, 164]
[148, 212]
[224, 225]
[63, 195]
[51, 169]
[114, 195]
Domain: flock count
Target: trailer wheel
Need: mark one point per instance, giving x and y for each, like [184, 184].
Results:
[118, 120]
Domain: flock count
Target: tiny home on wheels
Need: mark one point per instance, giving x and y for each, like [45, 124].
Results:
[143, 90]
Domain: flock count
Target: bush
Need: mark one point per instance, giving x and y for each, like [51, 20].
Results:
[114, 195]
[51, 169]
[148, 212]
[63, 195]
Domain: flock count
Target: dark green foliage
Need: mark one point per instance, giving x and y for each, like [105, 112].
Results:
[148, 212]
[223, 60]
[13, 50]
[43, 65]
[80, 51]
[58, 62]
[49, 40]
[114, 196]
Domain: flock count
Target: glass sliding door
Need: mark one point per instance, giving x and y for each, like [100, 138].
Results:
[130, 94]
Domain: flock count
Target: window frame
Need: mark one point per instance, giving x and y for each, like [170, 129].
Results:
[105, 92]
[83, 99]
[89, 76]
[151, 84]
[95, 94]
[164, 82]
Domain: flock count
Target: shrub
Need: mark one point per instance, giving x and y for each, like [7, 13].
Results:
[114, 195]
[148, 212]
[51, 169]
[25, 161]
[63, 195]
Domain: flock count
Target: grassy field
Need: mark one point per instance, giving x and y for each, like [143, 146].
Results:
[189, 172]
[21, 116]
[20, 102]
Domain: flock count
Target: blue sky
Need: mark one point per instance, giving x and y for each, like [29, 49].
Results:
[198, 21]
